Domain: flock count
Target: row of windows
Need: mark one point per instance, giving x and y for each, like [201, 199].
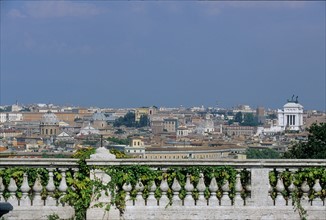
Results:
[49, 131]
[199, 156]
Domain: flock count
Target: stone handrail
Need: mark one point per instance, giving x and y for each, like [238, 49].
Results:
[249, 163]
[258, 205]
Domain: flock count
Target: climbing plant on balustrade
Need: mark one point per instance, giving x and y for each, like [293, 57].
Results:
[310, 175]
[132, 174]
[83, 191]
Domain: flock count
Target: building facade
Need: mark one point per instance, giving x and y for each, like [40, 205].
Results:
[49, 125]
[291, 117]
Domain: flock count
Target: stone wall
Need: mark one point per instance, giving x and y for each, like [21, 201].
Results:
[258, 204]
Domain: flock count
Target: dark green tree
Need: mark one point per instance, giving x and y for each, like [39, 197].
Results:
[313, 148]
[143, 121]
[272, 116]
[262, 154]
[119, 141]
[238, 117]
[128, 120]
[249, 120]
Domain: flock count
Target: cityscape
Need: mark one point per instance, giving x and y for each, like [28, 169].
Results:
[172, 110]
[48, 130]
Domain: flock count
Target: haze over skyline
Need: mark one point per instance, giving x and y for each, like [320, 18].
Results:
[132, 54]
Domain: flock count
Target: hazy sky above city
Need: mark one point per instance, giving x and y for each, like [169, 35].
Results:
[139, 53]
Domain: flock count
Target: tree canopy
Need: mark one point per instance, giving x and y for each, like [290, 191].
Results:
[129, 121]
[238, 117]
[313, 148]
[249, 120]
[118, 140]
[246, 119]
[262, 154]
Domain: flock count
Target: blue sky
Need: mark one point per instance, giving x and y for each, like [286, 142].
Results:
[131, 54]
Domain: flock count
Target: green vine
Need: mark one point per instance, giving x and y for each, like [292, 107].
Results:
[131, 174]
[297, 178]
[84, 191]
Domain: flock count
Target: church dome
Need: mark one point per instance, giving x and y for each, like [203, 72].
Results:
[49, 119]
[98, 116]
[88, 130]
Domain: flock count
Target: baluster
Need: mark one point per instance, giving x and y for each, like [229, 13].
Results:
[63, 184]
[225, 200]
[213, 187]
[317, 188]
[151, 200]
[164, 200]
[12, 188]
[37, 189]
[291, 189]
[238, 201]
[25, 199]
[127, 188]
[201, 188]
[75, 177]
[139, 198]
[305, 190]
[176, 201]
[279, 200]
[50, 188]
[189, 187]
[2, 188]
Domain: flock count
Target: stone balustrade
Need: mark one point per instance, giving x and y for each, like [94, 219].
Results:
[206, 198]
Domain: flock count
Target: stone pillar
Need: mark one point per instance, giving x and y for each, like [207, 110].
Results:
[317, 189]
[176, 201]
[139, 198]
[259, 187]
[238, 201]
[102, 154]
[37, 189]
[63, 185]
[50, 187]
[305, 194]
[189, 187]
[164, 200]
[12, 188]
[280, 201]
[225, 200]
[127, 188]
[151, 200]
[25, 200]
[213, 187]
[201, 188]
